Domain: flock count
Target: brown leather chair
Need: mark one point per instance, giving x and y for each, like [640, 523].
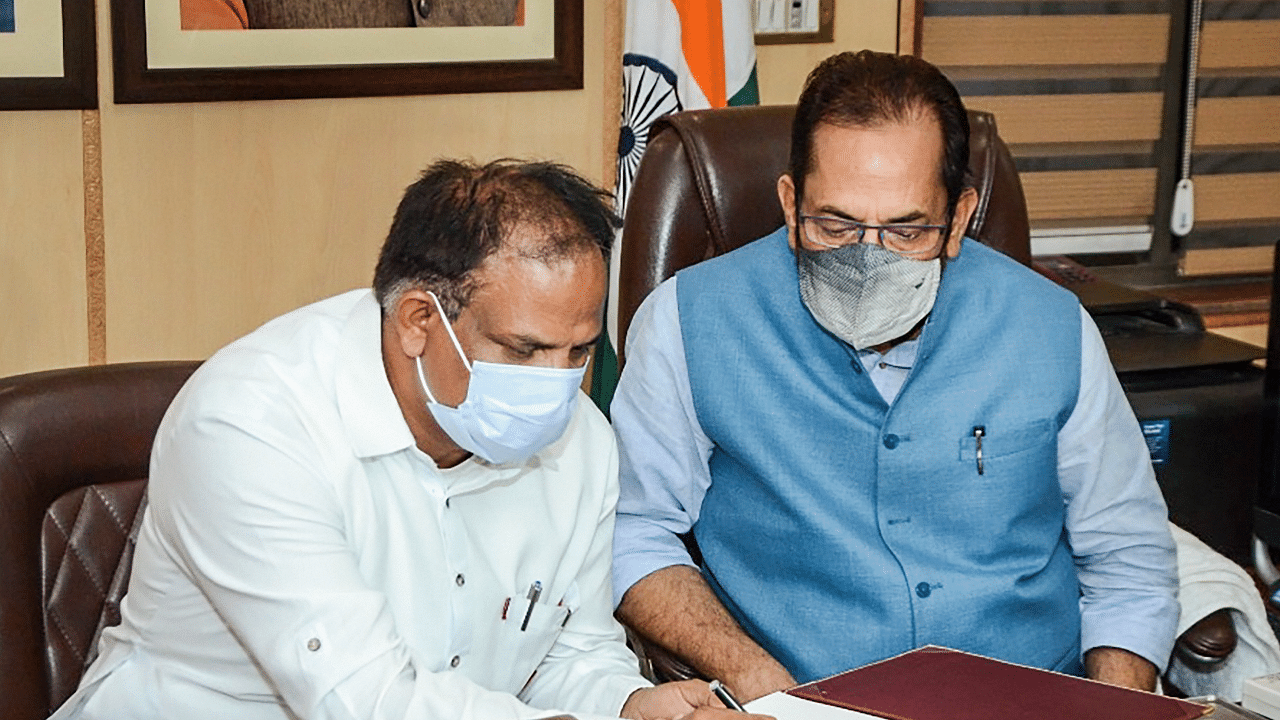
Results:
[75, 447]
[707, 185]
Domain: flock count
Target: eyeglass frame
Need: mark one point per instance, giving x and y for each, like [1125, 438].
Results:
[861, 229]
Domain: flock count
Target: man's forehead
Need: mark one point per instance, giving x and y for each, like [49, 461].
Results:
[920, 129]
[891, 150]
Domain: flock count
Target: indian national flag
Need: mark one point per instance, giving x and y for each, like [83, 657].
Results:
[678, 55]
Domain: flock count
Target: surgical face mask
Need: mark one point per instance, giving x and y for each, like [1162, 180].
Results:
[511, 411]
[864, 294]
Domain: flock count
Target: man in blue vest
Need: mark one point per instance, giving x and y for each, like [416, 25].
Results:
[883, 434]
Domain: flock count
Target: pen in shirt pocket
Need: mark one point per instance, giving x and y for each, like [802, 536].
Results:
[535, 591]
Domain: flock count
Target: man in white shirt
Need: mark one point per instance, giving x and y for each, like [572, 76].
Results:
[393, 504]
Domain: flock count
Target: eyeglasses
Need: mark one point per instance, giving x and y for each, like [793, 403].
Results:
[834, 232]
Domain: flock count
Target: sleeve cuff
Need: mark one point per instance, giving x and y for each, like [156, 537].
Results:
[1144, 627]
[641, 548]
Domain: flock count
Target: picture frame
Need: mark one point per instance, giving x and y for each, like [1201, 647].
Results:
[49, 61]
[158, 62]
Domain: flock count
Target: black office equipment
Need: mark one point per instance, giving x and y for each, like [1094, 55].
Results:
[1197, 396]
[1144, 331]
[1266, 518]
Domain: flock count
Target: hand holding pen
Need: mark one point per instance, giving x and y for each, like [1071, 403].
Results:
[686, 700]
[720, 691]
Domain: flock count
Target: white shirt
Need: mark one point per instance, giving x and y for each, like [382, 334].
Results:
[301, 557]
[1116, 519]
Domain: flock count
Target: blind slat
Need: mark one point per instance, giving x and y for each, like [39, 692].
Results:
[1088, 194]
[1238, 121]
[1240, 196]
[1073, 195]
[1046, 40]
[1113, 117]
[1244, 44]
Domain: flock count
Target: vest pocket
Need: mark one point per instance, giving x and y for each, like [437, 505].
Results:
[1001, 442]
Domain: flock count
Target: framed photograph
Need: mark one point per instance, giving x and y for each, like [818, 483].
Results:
[211, 50]
[48, 58]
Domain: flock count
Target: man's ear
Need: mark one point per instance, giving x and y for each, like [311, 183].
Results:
[965, 207]
[787, 198]
[413, 318]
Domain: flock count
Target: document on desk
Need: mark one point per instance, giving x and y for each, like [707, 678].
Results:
[785, 706]
[935, 683]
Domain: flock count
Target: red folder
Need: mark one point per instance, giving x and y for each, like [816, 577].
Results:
[935, 683]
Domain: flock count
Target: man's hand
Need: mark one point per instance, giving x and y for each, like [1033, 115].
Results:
[1120, 667]
[675, 608]
[690, 699]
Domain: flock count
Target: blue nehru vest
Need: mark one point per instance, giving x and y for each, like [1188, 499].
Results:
[840, 530]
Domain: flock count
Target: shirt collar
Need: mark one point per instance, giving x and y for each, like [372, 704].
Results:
[902, 355]
[370, 414]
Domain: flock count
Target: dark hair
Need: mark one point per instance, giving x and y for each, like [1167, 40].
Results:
[867, 89]
[459, 213]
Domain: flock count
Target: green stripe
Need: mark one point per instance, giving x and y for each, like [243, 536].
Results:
[748, 94]
[604, 374]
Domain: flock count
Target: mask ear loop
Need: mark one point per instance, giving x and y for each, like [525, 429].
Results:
[448, 326]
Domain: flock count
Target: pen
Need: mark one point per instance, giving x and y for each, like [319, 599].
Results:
[535, 590]
[725, 696]
[978, 432]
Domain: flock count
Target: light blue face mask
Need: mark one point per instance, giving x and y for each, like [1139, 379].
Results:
[511, 411]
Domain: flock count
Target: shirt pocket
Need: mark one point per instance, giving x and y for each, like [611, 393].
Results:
[526, 633]
[1000, 445]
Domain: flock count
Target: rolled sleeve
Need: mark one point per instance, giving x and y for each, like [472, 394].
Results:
[663, 451]
[1117, 521]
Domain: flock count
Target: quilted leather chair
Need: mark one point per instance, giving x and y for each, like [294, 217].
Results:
[707, 185]
[75, 446]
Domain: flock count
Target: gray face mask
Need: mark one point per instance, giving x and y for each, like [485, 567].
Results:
[864, 294]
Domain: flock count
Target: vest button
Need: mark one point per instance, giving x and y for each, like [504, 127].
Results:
[424, 8]
[923, 590]
[891, 441]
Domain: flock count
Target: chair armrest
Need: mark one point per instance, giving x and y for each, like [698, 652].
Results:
[1208, 643]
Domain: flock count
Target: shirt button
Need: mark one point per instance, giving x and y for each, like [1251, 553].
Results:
[923, 590]
[884, 365]
[424, 8]
[453, 663]
[313, 644]
[460, 580]
[446, 501]
[891, 441]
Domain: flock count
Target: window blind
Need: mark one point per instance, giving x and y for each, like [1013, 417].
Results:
[1235, 158]
[1078, 89]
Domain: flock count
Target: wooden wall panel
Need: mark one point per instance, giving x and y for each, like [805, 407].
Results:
[219, 216]
[782, 69]
[42, 251]
[223, 215]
